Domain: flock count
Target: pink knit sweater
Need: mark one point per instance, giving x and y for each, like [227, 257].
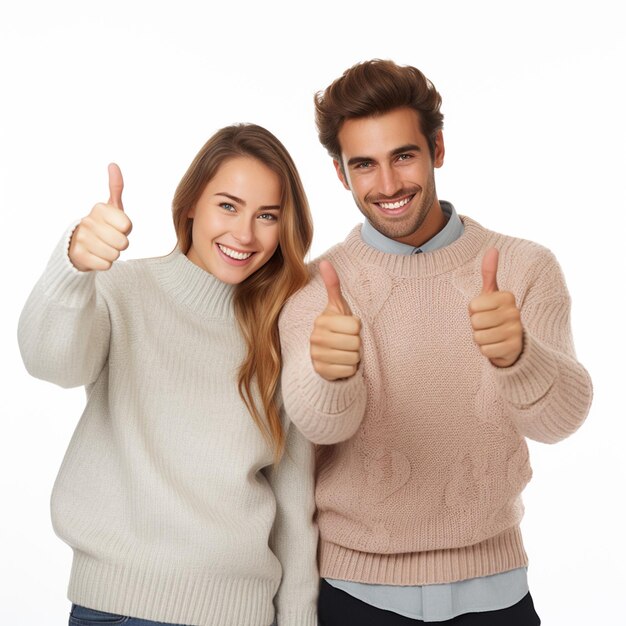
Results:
[422, 482]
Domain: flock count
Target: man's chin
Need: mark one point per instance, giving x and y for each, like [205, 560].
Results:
[390, 229]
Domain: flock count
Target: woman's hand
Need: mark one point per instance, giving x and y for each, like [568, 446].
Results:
[101, 236]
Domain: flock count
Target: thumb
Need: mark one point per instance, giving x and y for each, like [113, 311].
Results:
[489, 270]
[116, 185]
[333, 288]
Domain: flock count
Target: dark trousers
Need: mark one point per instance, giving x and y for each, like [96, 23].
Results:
[338, 608]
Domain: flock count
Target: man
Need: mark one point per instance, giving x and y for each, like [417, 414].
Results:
[421, 354]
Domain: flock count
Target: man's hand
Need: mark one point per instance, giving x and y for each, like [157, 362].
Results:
[495, 318]
[335, 340]
[100, 237]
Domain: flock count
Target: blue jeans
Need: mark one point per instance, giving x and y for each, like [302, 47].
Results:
[81, 616]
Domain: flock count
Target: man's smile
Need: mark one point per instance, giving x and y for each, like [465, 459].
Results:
[394, 206]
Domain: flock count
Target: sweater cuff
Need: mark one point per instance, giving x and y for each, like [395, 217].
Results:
[328, 411]
[331, 397]
[529, 379]
[63, 283]
[297, 617]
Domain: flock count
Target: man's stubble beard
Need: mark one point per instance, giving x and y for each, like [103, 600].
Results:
[398, 229]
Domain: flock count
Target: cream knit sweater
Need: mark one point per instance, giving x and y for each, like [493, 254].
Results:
[423, 482]
[166, 493]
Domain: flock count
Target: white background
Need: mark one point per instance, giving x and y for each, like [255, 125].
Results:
[533, 95]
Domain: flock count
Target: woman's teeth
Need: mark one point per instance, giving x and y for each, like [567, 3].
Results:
[233, 254]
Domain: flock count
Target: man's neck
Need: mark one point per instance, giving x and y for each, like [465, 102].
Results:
[447, 235]
[434, 222]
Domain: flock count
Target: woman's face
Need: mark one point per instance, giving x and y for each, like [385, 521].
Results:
[235, 221]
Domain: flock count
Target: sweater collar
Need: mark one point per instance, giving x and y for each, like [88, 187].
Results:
[194, 287]
[445, 259]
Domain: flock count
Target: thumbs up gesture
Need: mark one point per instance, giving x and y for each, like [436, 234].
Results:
[335, 340]
[100, 237]
[495, 318]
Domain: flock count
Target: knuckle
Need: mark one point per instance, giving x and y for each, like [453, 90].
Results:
[87, 223]
[320, 321]
[79, 234]
[320, 324]
[339, 371]
[512, 312]
[98, 210]
[78, 258]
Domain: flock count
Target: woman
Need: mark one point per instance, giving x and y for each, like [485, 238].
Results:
[170, 493]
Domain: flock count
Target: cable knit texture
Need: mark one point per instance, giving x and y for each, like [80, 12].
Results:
[167, 493]
[422, 483]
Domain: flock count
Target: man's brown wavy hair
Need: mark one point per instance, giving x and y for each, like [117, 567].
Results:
[373, 88]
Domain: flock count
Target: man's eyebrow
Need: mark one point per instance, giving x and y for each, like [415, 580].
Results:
[410, 147]
[359, 159]
[271, 207]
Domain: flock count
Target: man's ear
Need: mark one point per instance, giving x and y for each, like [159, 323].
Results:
[440, 150]
[341, 174]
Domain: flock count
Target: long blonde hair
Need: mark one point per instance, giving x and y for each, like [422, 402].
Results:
[259, 299]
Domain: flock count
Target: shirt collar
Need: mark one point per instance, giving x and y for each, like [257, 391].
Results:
[447, 235]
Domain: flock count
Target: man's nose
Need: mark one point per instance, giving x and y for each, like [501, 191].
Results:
[389, 181]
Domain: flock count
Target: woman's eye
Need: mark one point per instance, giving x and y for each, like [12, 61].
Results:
[270, 217]
[227, 206]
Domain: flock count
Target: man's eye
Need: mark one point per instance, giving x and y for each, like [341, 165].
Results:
[404, 157]
[363, 165]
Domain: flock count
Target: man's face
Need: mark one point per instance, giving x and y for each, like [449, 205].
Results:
[388, 168]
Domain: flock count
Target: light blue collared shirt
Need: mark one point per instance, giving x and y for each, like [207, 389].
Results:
[436, 603]
[447, 235]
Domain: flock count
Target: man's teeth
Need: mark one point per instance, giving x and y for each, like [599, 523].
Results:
[394, 205]
[233, 254]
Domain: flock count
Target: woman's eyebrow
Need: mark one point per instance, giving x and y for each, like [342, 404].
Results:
[231, 197]
[271, 207]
